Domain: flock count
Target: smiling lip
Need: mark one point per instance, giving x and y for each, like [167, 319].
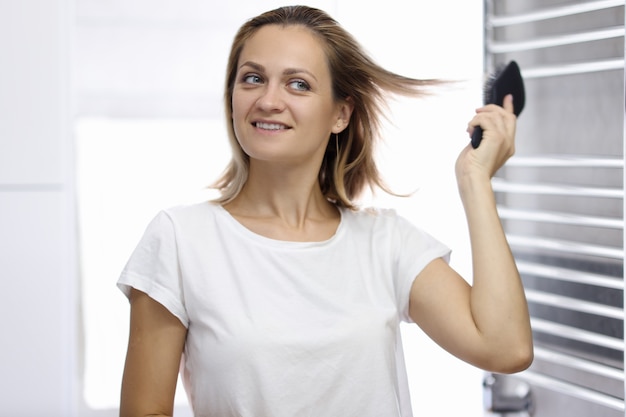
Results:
[270, 126]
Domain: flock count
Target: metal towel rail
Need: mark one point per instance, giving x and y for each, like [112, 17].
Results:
[573, 69]
[561, 40]
[572, 390]
[500, 185]
[561, 198]
[574, 304]
[552, 13]
[570, 275]
[560, 218]
[564, 161]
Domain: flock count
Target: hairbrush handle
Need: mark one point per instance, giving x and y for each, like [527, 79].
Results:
[477, 136]
[506, 80]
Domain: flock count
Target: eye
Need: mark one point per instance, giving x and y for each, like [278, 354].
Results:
[252, 79]
[300, 85]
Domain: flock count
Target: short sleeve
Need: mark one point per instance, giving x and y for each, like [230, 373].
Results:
[414, 250]
[153, 267]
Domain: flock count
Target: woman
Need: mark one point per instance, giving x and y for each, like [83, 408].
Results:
[281, 297]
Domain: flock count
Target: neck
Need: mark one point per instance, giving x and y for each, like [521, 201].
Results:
[291, 195]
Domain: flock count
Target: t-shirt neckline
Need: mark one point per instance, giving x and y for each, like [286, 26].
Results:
[243, 230]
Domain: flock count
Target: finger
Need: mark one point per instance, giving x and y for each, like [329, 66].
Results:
[508, 103]
[470, 128]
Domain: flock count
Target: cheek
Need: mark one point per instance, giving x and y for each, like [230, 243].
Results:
[235, 115]
[241, 102]
[236, 106]
[240, 109]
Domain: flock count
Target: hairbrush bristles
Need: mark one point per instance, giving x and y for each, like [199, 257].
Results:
[507, 79]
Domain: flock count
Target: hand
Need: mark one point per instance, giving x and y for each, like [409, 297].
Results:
[498, 144]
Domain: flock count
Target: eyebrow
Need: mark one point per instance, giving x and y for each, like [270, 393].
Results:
[289, 71]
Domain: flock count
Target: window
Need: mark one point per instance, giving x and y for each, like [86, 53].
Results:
[128, 170]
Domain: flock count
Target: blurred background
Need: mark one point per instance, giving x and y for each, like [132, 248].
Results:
[111, 110]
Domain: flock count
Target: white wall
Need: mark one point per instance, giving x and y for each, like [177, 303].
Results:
[36, 225]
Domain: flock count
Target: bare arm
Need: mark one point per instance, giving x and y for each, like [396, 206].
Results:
[486, 324]
[155, 347]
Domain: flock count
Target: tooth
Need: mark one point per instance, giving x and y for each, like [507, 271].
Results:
[269, 126]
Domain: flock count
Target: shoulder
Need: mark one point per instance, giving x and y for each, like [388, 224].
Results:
[379, 224]
[193, 209]
[191, 213]
[387, 227]
[180, 219]
[370, 213]
[372, 217]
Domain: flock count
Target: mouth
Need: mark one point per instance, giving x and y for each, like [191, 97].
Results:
[270, 126]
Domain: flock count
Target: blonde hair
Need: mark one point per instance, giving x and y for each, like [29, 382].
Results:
[348, 166]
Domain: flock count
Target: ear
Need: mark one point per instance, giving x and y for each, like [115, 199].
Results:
[344, 112]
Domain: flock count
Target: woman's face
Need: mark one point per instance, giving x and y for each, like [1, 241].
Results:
[283, 106]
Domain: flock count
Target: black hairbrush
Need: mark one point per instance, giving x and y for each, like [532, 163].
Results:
[506, 80]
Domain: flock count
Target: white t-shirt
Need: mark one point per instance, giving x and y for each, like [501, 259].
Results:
[286, 329]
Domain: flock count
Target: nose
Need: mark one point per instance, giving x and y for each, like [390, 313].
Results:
[271, 98]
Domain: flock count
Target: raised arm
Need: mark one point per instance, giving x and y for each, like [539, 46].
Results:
[155, 347]
[486, 324]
